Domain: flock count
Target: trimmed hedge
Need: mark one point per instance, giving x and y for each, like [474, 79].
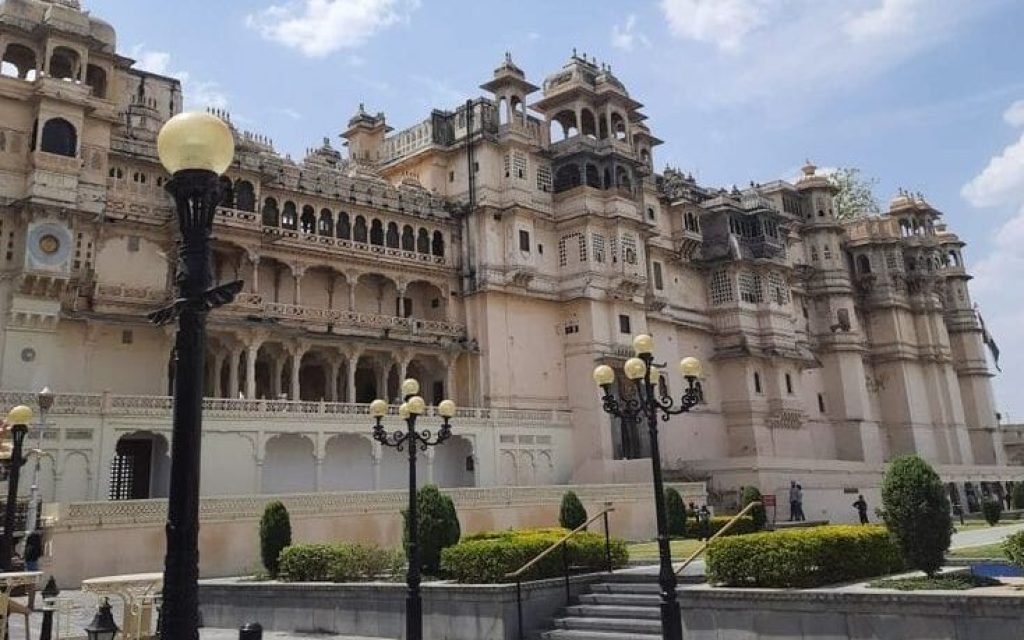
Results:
[339, 563]
[572, 513]
[1014, 548]
[275, 535]
[917, 512]
[803, 557]
[743, 526]
[992, 509]
[486, 558]
[1017, 497]
[676, 509]
[438, 526]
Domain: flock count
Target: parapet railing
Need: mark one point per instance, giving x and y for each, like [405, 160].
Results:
[720, 532]
[518, 574]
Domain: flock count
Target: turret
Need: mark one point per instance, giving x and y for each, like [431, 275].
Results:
[365, 136]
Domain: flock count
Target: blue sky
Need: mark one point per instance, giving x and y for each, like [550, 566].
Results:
[922, 94]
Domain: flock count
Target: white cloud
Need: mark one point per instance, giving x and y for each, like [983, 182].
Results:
[1014, 115]
[287, 112]
[1001, 182]
[318, 28]
[890, 18]
[723, 23]
[198, 94]
[627, 37]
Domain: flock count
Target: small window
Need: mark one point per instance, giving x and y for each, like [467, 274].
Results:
[789, 384]
[624, 324]
[435, 303]
[127, 337]
[476, 167]
[451, 176]
[650, 213]
[540, 249]
[524, 240]
[659, 283]
[133, 244]
[757, 382]
[821, 403]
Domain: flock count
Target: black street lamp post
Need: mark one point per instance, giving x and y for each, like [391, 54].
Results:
[18, 421]
[652, 402]
[411, 440]
[195, 148]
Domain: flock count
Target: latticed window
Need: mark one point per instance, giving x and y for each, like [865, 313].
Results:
[598, 241]
[827, 252]
[519, 165]
[508, 164]
[582, 246]
[814, 253]
[565, 246]
[563, 254]
[614, 249]
[778, 290]
[544, 177]
[750, 287]
[629, 249]
[721, 288]
[892, 260]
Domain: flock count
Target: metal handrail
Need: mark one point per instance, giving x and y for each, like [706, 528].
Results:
[517, 575]
[720, 532]
[543, 554]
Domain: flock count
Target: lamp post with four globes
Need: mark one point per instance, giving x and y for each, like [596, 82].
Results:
[411, 440]
[18, 421]
[651, 402]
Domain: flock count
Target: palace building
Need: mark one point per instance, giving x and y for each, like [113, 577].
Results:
[497, 251]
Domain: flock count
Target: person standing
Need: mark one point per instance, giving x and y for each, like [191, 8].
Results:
[800, 504]
[704, 517]
[862, 508]
[33, 551]
[794, 499]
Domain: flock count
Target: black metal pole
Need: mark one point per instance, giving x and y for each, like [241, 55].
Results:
[607, 543]
[413, 601]
[196, 194]
[50, 592]
[671, 619]
[18, 432]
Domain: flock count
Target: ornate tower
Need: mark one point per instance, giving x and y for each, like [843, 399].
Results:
[834, 326]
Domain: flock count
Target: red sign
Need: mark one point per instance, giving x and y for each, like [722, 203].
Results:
[768, 501]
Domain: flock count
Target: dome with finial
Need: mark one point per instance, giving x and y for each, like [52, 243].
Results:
[902, 200]
[811, 179]
[361, 117]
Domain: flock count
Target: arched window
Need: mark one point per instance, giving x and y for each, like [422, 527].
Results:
[344, 230]
[588, 126]
[245, 196]
[622, 179]
[423, 241]
[96, 78]
[438, 245]
[59, 137]
[593, 177]
[326, 227]
[567, 177]
[602, 127]
[289, 216]
[392, 236]
[618, 126]
[564, 123]
[308, 220]
[359, 230]
[408, 238]
[271, 216]
[19, 62]
[377, 232]
[64, 64]
[227, 193]
[863, 264]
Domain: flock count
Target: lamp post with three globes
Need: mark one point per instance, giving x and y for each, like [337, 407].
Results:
[652, 402]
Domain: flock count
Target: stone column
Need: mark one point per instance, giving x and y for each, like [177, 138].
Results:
[296, 394]
[353, 364]
[250, 370]
[275, 381]
[233, 374]
[254, 282]
[377, 453]
[449, 378]
[352, 295]
[297, 273]
[430, 465]
[400, 304]
[218, 367]
[382, 379]
[333, 368]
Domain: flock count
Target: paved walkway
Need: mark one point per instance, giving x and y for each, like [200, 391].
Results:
[989, 535]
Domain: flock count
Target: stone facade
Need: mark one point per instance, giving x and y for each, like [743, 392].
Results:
[497, 252]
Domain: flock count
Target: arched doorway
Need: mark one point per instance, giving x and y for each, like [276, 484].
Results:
[141, 468]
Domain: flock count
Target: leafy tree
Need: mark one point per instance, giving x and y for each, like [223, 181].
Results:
[275, 535]
[992, 509]
[676, 513]
[855, 197]
[753, 494]
[917, 512]
[572, 515]
[438, 526]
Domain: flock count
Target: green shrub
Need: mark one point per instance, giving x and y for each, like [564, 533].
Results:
[803, 557]
[676, 513]
[1017, 497]
[275, 535]
[757, 514]
[339, 563]
[917, 512]
[572, 515]
[1014, 548]
[992, 508]
[488, 558]
[438, 527]
[743, 526]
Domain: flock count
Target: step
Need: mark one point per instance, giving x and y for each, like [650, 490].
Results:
[628, 599]
[580, 634]
[613, 611]
[639, 625]
[626, 587]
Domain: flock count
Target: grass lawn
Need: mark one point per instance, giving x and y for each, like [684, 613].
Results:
[974, 525]
[955, 582]
[994, 550]
[681, 550]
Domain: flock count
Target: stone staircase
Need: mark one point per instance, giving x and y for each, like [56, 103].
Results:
[622, 607]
